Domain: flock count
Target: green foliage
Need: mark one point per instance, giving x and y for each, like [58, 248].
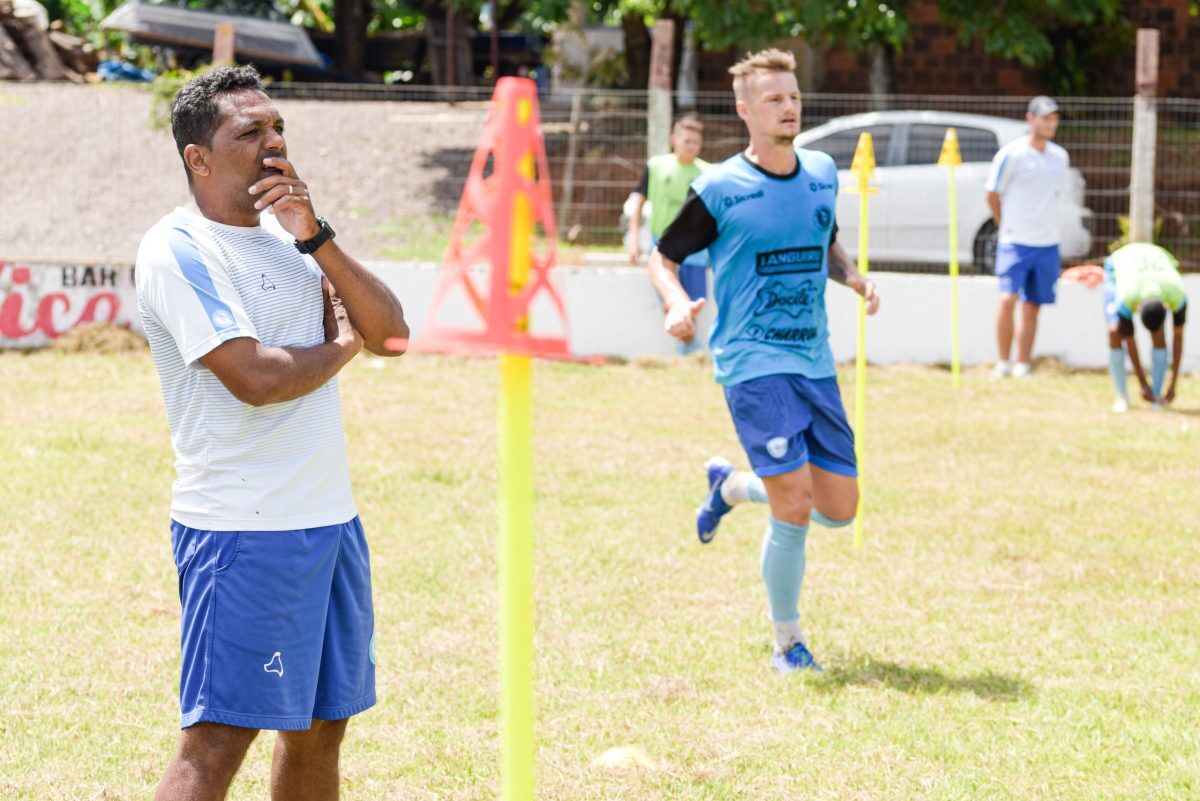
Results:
[1024, 30]
[82, 18]
[164, 88]
[1123, 239]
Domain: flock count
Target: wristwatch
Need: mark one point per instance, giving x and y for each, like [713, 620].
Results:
[324, 235]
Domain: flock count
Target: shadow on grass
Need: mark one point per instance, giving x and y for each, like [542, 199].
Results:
[866, 671]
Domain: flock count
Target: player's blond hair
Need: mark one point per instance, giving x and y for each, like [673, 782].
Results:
[688, 122]
[769, 60]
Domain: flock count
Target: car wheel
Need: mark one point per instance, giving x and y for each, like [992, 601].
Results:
[985, 249]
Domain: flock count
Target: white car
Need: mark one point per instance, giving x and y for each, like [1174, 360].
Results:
[909, 217]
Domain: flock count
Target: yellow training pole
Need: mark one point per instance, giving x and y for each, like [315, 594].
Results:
[516, 524]
[863, 167]
[951, 158]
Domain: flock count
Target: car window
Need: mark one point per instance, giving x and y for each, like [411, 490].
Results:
[925, 144]
[841, 145]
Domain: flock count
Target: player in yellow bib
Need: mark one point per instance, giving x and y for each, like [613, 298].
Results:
[1144, 278]
[665, 184]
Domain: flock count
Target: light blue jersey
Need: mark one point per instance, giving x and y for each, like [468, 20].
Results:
[768, 238]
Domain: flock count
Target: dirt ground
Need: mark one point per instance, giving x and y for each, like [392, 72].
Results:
[83, 174]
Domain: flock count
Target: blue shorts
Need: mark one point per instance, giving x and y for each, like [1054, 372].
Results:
[278, 626]
[785, 421]
[1028, 271]
[1112, 308]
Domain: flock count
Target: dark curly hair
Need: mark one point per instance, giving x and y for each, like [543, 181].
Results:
[194, 114]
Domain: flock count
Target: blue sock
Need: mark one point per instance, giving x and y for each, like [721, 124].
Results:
[1116, 368]
[827, 522]
[783, 565]
[758, 493]
[1158, 370]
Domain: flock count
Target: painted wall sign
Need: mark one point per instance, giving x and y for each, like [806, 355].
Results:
[41, 302]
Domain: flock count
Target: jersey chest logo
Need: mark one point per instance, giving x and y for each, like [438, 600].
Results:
[789, 261]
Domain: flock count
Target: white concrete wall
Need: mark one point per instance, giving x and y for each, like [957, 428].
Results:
[615, 312]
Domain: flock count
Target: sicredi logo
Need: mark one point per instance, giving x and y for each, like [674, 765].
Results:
[815, 185]
[734, 200]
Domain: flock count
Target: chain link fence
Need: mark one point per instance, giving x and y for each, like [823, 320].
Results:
[392, 161]
[596, 145]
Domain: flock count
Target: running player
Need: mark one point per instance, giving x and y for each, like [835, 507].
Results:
[1143, 278]
[767, 218]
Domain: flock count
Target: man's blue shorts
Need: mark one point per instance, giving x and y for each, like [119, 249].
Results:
[785, 421]
[1028, 271]
[1112, 308]
[278, 626]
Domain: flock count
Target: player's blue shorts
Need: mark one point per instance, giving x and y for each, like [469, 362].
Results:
[693, 273]
[1112, 308]
[278, 626]
[1028, 271]
[785, 421]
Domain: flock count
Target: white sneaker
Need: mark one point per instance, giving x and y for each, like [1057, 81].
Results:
[1120, 405]
[1001, 370]
[1156, 406]
[1022, 370]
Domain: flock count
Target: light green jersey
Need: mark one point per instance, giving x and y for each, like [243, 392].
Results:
[1140, 271]
[667, 188]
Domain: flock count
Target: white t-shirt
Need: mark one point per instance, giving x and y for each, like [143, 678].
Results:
[271, 468]
[1030, 183]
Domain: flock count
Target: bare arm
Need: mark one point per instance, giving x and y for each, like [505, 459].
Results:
[993, 201]
[1176, 361]
[1135, 361]
[843, 270]
[635, 230]
[373, 308]
[680, 321]
[259, 375]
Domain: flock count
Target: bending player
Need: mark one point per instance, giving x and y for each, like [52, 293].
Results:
[1144, 278]
[766, 217]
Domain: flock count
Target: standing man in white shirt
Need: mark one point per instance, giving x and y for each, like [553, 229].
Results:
[250, 316]
[1023, 190]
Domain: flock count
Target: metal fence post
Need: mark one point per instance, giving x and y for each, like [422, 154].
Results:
[1145, 128]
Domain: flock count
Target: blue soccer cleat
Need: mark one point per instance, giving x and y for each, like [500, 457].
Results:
[709, 515]
[796, 657]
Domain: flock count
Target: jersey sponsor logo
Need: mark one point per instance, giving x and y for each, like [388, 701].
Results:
[275, 664]
[734, 200]
[793, 300]
[816, 186]
[783, 335]
[789, 260]
[823, 217]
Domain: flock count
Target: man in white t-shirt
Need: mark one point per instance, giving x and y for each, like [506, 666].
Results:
[250, 316]
[1023, 190]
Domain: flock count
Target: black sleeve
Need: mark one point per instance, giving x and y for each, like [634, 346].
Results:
[692, 230]
[833, 235]
[1125, 326]
[643, 187]
[1179, 317]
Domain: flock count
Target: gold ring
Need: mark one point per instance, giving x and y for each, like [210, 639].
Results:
[289, 189]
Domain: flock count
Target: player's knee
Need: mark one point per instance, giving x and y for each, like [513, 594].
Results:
[215, 749]
[796, 510]
[831, 522]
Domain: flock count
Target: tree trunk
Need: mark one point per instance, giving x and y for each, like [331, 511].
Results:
[35, 47]
[637, 50]
[13, 66]
[881, 75]
[462, 64]
[350, 26]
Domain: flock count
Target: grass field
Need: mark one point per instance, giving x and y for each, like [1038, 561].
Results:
[1021, 623]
